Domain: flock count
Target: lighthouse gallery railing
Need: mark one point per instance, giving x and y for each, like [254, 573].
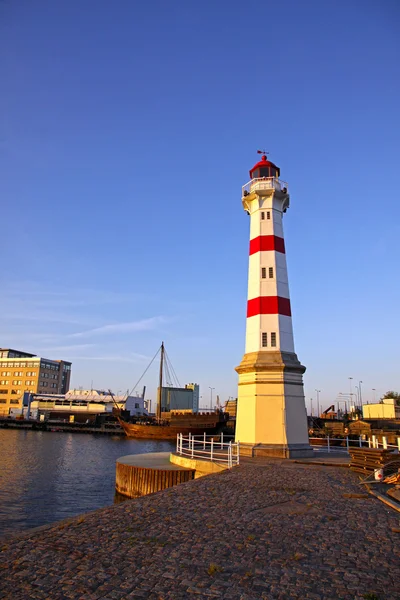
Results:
[264, 183]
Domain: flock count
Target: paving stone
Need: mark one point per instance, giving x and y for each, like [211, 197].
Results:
[269, 529]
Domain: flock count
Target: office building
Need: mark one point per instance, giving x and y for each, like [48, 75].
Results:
[23, 372]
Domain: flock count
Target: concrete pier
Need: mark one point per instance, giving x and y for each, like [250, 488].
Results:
[142, 474]
[268, 529]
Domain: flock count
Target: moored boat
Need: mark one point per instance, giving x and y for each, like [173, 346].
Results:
[166, 426]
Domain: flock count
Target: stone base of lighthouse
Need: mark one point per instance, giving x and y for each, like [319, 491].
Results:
[271, 415]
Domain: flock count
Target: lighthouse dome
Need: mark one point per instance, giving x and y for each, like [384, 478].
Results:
[264, 168]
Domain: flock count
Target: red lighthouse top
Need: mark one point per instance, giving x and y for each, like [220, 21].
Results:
[264, 168]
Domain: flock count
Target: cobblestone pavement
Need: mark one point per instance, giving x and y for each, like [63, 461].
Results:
[265, 530]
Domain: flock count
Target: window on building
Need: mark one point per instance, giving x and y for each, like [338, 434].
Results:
[262, 216]
[14, 401]
[273, 339]
[136, 405]
[263, 272]
[4, 382]
[268, 215]
[264, 340]
[3, 391]
[271, 272]
[2, 401]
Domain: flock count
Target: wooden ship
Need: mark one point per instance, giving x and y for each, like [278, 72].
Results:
[166, 425]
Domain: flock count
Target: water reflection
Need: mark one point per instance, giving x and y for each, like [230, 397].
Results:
[45, 476]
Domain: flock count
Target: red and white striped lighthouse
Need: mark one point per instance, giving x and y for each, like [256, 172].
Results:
[271, 417]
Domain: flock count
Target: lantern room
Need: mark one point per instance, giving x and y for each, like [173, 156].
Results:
[264, 168]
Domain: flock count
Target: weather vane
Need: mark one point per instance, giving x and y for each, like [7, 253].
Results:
[262, 152]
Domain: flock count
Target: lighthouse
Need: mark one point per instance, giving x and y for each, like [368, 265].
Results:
[271, 414]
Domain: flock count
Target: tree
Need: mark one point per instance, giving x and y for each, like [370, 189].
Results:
[392, 394]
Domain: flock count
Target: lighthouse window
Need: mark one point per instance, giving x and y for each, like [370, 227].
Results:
[271, 272]
[263, 272]
[262, 216]
[273, 339]
[268, 215]
[264, 340]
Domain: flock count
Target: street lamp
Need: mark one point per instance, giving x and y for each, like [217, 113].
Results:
[339, 402]
[374, 390]
[346, 399]
[318, 391]
[211, 390]
[359, 387]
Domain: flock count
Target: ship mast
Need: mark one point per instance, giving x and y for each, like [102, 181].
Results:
[159, 395]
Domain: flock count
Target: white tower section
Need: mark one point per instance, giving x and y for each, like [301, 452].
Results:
[269, 320]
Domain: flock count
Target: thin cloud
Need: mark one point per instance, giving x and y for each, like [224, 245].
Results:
[40, 295]
[72, 347]
[133, 358]
[130, 326]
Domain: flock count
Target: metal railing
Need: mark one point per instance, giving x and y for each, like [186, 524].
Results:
[208, 448]
[335, 444]
[373, 442]
[264, 183]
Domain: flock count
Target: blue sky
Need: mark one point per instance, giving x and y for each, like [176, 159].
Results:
[126, 132]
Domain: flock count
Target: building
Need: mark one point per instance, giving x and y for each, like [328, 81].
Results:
[271, 414]
[23, 372]
[386, 409]
[180, 399]
[83, 406]
[231, 408]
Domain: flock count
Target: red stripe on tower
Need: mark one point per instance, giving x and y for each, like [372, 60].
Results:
[267, 242]
[269, 305]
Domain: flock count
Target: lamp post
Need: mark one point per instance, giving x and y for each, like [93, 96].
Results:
[374, 390]
[351, 392]
[359, 387]
[318, 391]
[346, 398]
[342, 402]
[311, 407]
[211, 390]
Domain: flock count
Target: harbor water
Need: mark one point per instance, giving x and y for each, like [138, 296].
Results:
[49, 476]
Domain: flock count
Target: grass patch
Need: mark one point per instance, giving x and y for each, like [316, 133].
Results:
[213, 569]
[357, 496]
[298, 556]
[370, 596]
